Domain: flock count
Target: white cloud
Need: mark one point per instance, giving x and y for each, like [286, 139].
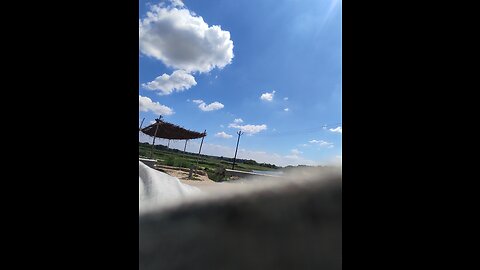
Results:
[337, 129]
[238, 120]
[152, 122]
[286, 109]
[178, 3]
[210, 107]
[183, 40]
[285, 98]
[179, 80]
[249, 129]
[296, 152]
[322, 143]
[222, 126]
[145, 104]
[267, 96]
[223, 135]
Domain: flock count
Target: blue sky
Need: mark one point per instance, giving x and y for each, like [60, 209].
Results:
[276, 65]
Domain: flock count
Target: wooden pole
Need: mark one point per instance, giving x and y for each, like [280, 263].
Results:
[238, 140]
[200, 150]
[140, 128]
[184, 148]
[153, 144]
[155, 135]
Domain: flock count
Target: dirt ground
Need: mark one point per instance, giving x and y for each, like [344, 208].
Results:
[182, 175]
[201, 181]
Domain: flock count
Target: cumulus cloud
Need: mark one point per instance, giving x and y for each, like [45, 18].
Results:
[238, 120]
[223, 135]
[182, 40]
[249, 129]
[285, 98]
[177, 3]
[178, 81]
[145, 104]
[267, 96]
[210, 107]
[286, 109]
[198, 101]
[322, 143]
[336, 130]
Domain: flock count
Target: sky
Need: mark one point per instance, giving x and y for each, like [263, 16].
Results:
[272, 69]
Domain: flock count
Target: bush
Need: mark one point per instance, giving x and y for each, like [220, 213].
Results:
[170, 161]
[143, 152]
[217, 175]
[183, 163]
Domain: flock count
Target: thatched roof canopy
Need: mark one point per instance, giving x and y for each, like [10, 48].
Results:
[172, 132]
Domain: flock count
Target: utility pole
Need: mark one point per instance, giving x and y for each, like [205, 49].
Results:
[238, 140]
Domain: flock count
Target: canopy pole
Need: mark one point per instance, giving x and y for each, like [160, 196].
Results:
[140, 128]
[200, 150]
[168, 145]
[185, 147]
[155, 135]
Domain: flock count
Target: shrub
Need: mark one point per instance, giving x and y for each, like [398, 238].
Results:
[170, 161]
[217, 175]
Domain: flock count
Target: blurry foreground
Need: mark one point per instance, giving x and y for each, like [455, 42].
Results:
[289, 222]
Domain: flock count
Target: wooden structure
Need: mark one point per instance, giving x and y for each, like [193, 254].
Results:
[165, 130]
